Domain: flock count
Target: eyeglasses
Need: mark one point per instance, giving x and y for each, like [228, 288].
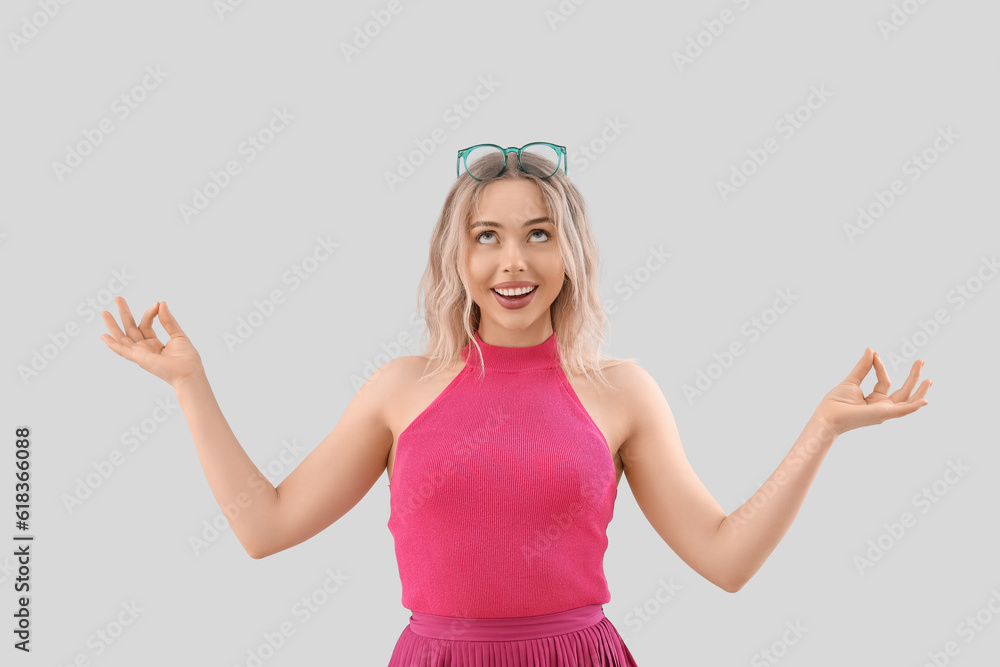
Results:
[538, 158]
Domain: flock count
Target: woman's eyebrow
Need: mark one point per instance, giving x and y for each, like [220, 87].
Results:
[490, 223]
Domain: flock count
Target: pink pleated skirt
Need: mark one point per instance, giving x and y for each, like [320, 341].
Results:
[581, 637]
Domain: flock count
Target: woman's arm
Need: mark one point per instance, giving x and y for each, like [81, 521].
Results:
[328, 482]
[669, 493]
[747, 537]
[321, 489]
[246, 497]
[728, 550]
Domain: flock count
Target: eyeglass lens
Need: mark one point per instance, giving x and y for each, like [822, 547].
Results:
[537, 159]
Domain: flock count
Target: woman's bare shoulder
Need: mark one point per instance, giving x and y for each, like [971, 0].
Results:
[403, 373]
[628, 379]
[619, 371]
[397, 372]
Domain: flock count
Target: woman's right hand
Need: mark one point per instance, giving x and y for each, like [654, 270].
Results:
[172, 362]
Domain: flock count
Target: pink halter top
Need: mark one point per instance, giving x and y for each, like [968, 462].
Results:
[502, 492]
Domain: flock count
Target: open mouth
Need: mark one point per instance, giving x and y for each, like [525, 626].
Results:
[515, 298]
[515, 302]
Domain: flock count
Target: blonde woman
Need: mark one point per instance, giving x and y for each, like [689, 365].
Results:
[504, 444]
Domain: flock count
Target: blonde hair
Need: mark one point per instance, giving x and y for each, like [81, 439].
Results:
[577, 315]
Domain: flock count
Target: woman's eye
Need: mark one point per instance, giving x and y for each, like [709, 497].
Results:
[533, 232]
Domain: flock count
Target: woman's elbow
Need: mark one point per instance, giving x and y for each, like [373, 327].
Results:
[258, 551]
[731, 585]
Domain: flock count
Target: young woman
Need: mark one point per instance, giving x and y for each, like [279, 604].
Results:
[505, 443]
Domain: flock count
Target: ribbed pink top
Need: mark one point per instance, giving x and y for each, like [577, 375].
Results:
[502, 492]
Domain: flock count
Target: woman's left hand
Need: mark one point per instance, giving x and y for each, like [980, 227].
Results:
[846, 407]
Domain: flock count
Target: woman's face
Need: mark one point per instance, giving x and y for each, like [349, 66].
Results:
[513, 240]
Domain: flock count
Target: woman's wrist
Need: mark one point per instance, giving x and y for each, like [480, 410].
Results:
[196, 377]
[825, 423]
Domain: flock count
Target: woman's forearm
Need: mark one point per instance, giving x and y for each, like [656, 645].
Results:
[245, 496]
[747, 537]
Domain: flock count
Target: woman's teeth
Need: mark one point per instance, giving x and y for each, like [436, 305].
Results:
[513, 293]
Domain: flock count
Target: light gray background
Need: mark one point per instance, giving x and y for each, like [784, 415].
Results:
[653, 185]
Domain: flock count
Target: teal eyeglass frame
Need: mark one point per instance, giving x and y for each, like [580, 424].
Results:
[463, 156]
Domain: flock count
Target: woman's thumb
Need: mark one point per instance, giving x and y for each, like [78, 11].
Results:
[167, 320]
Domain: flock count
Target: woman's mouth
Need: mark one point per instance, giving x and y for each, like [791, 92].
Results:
[515, 302]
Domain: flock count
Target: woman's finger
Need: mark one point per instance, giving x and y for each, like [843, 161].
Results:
[128, 323]
[890, 410]
[882, 384]
[916, 401]
[922, 391]
[169, 323]
[861, 369]
[117, 347]
[903, 393]
[146, 325]
[112, 324]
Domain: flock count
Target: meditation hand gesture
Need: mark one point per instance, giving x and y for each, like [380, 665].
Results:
[846, 407]
[171, 362]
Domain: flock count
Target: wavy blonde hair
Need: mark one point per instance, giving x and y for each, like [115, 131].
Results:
[577, 315]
